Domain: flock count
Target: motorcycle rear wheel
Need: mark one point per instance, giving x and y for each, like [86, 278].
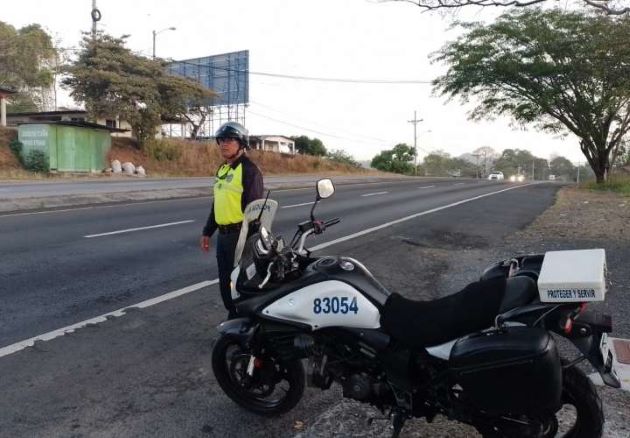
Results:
[578, 393]
[275, 387]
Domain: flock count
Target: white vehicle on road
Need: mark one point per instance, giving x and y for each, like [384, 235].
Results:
[496, 175]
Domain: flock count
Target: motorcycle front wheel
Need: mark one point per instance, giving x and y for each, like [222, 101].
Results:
[581, 415]
[265, 385]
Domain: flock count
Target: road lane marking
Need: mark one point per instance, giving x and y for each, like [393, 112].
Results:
[13, 348]
[458, 184]
[21, 345]
[298, 205]
[425, 187]
[413, 216]
[129, 230]
[374, 194]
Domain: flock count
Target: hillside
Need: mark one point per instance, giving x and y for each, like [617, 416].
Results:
[186, 158]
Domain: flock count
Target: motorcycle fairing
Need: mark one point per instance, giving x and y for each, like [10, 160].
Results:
[314, 305]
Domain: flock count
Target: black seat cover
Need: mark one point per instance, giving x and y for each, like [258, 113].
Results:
[420, 324]
[519, 290]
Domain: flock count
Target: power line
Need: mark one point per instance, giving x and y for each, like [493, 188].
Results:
[374, 139]
[309, 78]
[311, 130]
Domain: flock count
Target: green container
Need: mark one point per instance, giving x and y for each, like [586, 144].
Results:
[69, 148]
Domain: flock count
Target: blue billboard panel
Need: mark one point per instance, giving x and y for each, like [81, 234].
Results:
[226, 74]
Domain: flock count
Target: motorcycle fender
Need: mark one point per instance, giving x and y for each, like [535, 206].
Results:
[240, 329]
[589, 335]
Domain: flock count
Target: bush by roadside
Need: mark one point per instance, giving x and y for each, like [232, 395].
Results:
[616, 183]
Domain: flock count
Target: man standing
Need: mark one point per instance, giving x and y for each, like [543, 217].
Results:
[238, 182]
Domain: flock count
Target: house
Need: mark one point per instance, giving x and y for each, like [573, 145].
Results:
[120, 128]
[274, 143]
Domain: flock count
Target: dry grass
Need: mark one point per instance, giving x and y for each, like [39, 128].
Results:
[203, 159]
[184, 158]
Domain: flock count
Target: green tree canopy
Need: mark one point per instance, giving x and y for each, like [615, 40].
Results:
[341, 156]
[562, 167]
[113, 81]
[27, 65]
[396, 160]
[564, 72]
[305, 145]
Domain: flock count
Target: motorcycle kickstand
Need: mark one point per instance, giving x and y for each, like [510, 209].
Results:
[398, 421]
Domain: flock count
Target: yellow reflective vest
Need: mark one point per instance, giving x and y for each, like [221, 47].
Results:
[228, 191]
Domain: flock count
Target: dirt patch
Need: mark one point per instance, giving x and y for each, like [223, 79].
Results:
[581, 215]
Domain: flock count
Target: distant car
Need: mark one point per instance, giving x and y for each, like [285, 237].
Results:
[519, 178]
[552, 177]
[496, 175]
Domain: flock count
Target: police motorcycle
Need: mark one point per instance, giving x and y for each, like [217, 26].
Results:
[484, 356]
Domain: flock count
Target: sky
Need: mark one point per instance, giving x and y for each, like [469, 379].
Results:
[349, 39]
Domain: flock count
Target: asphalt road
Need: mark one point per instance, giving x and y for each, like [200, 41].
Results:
[147, 372]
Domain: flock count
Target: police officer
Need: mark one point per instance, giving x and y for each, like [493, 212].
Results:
[238, 182]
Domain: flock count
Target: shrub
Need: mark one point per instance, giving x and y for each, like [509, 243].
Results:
[340, 156]
[161, 150]
[36, 161]
[16, 147]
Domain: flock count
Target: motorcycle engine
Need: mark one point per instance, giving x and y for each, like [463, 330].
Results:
[358, 386]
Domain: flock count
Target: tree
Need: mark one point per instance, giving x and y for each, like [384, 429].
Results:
[342, 157]
[564, 72]
[516, 161]
[305, 145]
[606, 6]
[27, 64]
[396, 160]
[437, 163]
[562, 167]
[112, 81]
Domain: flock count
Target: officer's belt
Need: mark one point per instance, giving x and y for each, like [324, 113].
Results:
[229, 228]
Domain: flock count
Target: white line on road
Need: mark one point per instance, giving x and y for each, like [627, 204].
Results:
[425, 187]
[129, 230]
[406, 218]
[13, 348]
[374, 194]
[298, 205]
[458, 184]
[21, 345]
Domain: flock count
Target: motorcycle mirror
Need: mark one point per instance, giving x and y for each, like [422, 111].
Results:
[325, 188]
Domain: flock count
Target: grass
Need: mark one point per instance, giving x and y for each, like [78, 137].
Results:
[173, 157]
[616, 183]
[187, 158]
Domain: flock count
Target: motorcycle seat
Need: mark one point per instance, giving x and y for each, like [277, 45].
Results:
[519, 290]
[420, 324]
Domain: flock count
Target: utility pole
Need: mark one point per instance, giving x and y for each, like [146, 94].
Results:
[96, 17]
[415, 122]
[533, 177]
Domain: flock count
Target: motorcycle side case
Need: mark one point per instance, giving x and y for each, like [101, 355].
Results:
[516, 370]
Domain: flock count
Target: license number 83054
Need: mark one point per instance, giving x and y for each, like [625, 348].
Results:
[342, 305]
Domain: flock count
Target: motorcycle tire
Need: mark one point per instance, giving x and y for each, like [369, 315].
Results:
[229, 364]
[579, 392]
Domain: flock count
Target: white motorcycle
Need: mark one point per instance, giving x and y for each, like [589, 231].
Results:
[484, 356]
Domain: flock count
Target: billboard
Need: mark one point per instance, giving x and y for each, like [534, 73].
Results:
[226, 74]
